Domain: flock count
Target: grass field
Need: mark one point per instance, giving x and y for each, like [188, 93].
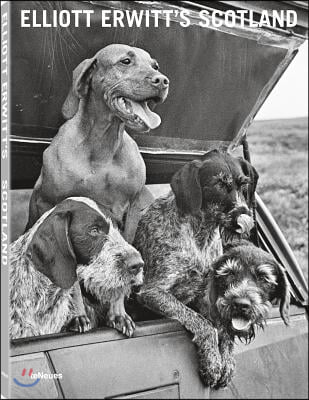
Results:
[279, 151]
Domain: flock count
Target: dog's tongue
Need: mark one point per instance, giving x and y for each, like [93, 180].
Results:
[150, 118]
[240, 324]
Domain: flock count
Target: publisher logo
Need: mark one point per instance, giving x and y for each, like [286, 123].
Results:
[26, 384]
[34, 377]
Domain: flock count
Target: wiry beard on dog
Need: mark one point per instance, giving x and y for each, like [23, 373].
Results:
[108, 270]
[243, 324]
[241, 287]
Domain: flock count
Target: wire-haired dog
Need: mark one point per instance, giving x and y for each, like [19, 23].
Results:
[179, 236]
[74, 240]
[239, 290]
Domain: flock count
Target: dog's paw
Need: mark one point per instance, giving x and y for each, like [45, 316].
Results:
[210, 372]
[80, 323]
[210, 367]
[122, 323]
[209, 379]
[227, 373]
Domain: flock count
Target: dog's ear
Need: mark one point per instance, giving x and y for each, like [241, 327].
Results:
[187, 188]
[51, 250]
[80, 85]
[283, 294]
[251, 173]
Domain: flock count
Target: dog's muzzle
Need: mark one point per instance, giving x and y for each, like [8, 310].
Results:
[135, 267]
[137, 111]
[238, 221]
[241, 321]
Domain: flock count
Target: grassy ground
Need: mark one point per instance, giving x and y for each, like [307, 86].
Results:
[279, 151]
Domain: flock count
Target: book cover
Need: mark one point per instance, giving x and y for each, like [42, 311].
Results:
[187, 78]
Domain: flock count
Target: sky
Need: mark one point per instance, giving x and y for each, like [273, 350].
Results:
[289, 98]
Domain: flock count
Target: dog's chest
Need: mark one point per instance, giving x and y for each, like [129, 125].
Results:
[113, 181]
[118, 180]
[188, 281]
[202, 254]
[42, 307]
[55, 310]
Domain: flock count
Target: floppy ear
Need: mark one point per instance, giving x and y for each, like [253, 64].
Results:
[80, 85]
[187, 188]
[250, 172]
[283, 294]
[51, 250]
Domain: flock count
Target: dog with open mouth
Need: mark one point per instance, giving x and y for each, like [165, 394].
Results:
[242, 284]
[92, 155]
[240, 289]
[182, 233]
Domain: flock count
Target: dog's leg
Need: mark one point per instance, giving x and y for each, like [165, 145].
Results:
[142, 201]
[205, 335]
[79, 321]
[37, 206]
[226, 348]
[117, 317]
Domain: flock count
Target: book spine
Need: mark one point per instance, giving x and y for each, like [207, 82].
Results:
[5, 195]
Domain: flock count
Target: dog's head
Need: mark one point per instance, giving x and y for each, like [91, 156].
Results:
[221, 186]
[242, 286]
[76, 232]
[126, 79]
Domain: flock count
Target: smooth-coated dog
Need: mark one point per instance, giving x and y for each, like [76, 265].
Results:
[180, 235]
[92, 155]
[237, 296]
[72, 244]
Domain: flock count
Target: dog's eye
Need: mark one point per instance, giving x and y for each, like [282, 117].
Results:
[156, 67]
[225, 186]
[95, 231]
[269, 280]
[225, 272]
[221, 185]
[126, 61]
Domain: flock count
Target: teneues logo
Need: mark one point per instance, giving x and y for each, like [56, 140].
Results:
[34, 377]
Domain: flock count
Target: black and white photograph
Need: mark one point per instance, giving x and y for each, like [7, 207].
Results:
[154, 199]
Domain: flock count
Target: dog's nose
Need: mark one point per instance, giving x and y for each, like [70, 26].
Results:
[160, 81]
[137, 288]
[242, 303]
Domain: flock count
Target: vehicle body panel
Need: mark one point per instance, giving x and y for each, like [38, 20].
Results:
[104, 364]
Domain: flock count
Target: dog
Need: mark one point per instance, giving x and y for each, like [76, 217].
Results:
[92, 155]
[240, 288]
[73, 244]
[181, 234]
